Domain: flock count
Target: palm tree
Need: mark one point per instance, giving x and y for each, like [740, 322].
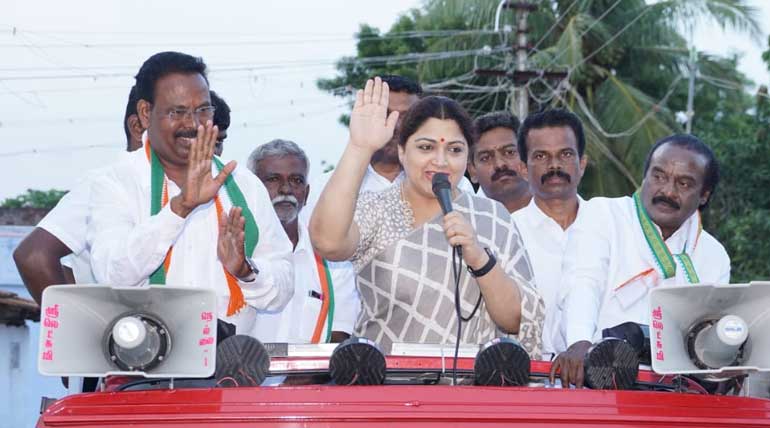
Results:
[625, 61]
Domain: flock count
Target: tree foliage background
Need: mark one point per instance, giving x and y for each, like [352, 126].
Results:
[627, 68]
[46, 199]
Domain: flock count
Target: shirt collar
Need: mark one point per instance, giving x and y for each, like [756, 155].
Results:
[376, 175]
[678, 239]
[537, 217]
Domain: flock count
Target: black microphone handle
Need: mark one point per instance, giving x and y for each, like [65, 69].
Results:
[445, 200]
[444, 196]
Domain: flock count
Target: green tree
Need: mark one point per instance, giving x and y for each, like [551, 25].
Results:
[739, 212]
[625, 61]
[35, 199]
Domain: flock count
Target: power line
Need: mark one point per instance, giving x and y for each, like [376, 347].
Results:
[61, 149]
[611, 39]
[571, 69]
[187, 43]
[632, 130]
[378, 60]
[555, 24]
[584, 32]
[293, 117]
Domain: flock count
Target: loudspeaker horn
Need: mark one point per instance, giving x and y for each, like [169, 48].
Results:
[155, 331]
[710, 329]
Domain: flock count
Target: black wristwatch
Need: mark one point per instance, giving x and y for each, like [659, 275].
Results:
[486, 268]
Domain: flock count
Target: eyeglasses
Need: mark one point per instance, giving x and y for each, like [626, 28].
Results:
[202, 114]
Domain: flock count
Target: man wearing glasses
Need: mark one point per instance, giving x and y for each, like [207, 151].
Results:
[172, 213]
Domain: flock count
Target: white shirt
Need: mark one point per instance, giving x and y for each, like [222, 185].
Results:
[297, 321]
[127, 244]
[68, 222]
[605, 251]
[546, 242]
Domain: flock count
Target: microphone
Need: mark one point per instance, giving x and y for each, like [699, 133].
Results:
[443, 191]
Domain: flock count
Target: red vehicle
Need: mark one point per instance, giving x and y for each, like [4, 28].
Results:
[414, 385]
[415, 393]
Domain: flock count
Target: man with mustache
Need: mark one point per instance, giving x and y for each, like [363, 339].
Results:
[493, 163]
[551, 146]
[325, 303]
[56, 243]
[172, 213]
[632, 244]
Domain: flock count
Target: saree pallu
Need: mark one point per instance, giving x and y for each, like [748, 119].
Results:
[405, 277]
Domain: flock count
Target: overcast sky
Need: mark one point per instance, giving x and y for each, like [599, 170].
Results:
[66, 67]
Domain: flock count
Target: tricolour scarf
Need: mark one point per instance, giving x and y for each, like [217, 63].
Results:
[159, 199]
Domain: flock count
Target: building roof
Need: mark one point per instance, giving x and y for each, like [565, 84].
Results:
[14, 309]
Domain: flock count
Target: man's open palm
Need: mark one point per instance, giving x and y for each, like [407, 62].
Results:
[199, 186]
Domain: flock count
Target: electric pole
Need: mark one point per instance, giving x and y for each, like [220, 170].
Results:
[520, 95]
[520, 75]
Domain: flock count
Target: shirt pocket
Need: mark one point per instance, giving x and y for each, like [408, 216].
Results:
[311, 309]
[629, 294]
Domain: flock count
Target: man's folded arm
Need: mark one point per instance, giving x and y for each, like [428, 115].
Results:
[125, 251]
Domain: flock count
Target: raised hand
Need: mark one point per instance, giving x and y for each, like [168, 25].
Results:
[371, 127]
[230, 243]
[199, 186]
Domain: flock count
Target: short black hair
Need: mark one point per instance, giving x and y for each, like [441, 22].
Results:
[439, 108]
[548, 119]
[402, 84]
[694, 144]
[221, 111]
[497, 119]
[130, 110]
[162, 64]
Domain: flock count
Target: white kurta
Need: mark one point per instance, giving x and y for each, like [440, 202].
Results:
[606, 251]
[546, 242]
[296, 322]
[127, 244]
[68, 222]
